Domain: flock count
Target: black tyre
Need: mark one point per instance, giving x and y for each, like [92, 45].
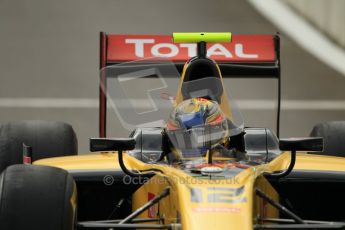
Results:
[47, 139]
[37, 197]
[333, 134]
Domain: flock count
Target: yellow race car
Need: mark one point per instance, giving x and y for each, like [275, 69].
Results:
[189, 161]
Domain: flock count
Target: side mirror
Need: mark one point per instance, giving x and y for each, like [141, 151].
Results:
[301, 144]
[119, 145]
[297, 144]
[111, 144]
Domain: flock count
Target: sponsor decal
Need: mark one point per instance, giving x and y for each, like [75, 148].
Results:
[151, 210]
[218, 195]
[216, 209]
[27, 160]
[264, 208]
[242, 48]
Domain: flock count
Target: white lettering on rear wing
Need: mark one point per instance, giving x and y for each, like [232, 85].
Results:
[243, 48]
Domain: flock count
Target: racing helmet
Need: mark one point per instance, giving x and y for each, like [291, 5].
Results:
[195, 126]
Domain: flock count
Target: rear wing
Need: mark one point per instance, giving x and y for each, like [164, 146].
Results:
[247, 56]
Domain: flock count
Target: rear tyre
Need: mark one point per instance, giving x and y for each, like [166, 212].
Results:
[47, 139]
[333, 134]
[37, 197]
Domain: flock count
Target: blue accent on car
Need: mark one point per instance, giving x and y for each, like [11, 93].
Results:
[194, 119]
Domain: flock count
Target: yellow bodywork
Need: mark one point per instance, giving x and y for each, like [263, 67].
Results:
[189, 199]
[224, 105]
[199, 202]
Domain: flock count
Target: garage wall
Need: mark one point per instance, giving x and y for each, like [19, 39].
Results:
[327, 15]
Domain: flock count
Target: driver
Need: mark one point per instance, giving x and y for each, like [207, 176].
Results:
[198, 127]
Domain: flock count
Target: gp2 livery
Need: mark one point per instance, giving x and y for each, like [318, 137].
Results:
[188, 161]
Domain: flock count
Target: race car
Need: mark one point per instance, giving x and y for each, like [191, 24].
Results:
[189, 161]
